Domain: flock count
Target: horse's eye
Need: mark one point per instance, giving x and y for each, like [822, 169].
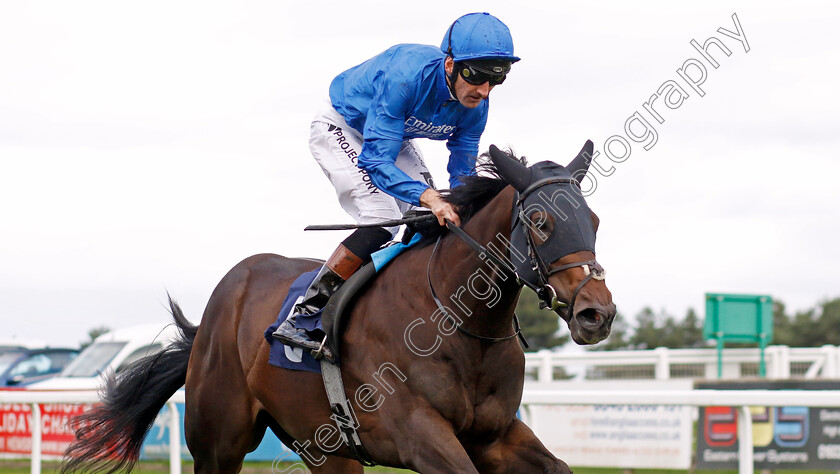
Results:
[542, 225]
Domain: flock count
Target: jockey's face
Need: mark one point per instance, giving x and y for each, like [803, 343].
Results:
[469, 95]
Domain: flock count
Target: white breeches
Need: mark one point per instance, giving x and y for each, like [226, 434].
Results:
[336, 147]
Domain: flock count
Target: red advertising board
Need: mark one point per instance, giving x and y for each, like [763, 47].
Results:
[16, 427]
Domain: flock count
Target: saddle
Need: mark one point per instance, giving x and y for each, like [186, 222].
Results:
[333, 320]
[333, 316]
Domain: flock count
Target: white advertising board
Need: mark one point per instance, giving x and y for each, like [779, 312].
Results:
[625, 436]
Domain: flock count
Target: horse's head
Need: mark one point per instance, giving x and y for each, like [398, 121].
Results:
[553, 242]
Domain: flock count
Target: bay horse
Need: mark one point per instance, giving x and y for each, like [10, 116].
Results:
[430, 393]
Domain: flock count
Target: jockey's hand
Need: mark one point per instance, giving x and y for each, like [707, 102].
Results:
[440, 208]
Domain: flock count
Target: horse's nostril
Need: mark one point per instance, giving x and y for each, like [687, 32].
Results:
[590, 317]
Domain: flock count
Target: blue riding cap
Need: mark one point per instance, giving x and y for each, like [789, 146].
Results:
[478, 36]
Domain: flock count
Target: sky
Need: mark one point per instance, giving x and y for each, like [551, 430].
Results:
[147, 147]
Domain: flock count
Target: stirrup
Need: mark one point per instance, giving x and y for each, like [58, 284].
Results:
[323, 352]
[301, 339]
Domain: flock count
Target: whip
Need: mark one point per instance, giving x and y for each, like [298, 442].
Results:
[391, 223]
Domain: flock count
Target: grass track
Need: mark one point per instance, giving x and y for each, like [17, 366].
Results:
[149, 467]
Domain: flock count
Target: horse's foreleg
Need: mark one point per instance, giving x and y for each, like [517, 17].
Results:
[318, 464]
[335, 464]
[322, 465]
[518, 451]
[428, 444]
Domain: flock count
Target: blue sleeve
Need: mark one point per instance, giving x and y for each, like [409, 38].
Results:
[383, 133]
[463, 148]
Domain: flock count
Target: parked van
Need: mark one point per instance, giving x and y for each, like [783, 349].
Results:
[116, 350]
[20, 367]
[14, 344]
[110, 352]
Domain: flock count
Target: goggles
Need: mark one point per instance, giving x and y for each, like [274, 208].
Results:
[475, 73]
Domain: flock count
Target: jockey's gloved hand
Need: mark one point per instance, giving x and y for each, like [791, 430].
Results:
[428, 228]
[443, 210]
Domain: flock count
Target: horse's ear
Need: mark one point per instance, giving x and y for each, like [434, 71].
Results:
[580, 165]
[512, 171]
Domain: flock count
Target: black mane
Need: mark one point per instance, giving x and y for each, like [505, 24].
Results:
[477, 190]
[473, 194]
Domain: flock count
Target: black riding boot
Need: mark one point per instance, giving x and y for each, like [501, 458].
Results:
[347, 258]
[327, 282]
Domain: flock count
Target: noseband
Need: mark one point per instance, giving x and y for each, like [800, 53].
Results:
[593, 271]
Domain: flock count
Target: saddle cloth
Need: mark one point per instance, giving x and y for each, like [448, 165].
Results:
[295, 358]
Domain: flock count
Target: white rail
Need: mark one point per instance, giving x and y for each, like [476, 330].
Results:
[661, 363]
[35, 397]
[536, 396]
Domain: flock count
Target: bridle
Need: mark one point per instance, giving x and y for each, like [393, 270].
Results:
[547, 294]
[544, 290]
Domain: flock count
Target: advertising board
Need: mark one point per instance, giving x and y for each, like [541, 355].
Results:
[16, 428]
[783, 437]
[56, 435]
[625, 436]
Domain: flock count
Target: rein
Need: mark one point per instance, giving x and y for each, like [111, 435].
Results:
[456, 321]
[546, 293]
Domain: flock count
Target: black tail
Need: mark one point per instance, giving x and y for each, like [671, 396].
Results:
[109, 437]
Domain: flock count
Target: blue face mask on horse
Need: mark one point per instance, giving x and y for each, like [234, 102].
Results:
[550, 220]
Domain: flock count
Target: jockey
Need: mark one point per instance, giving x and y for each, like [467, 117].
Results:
[363, 139]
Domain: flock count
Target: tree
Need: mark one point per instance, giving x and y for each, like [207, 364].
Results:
[828, 322]
[796, 331]
[692, 330]
[93, 334]
[539, 326]
[618, 338]
[782, 333]
[813, 327]
[655, 330]
[806, 330]
[646, 335]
